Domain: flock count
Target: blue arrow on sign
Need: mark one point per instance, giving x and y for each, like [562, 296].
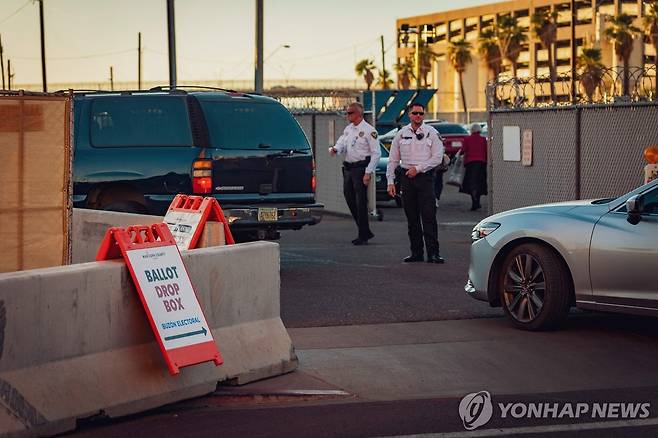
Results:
[184, 335]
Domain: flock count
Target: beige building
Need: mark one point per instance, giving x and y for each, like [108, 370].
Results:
[441, 28]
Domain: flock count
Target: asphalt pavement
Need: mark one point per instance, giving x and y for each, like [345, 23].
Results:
[389, 349]
[326, 281]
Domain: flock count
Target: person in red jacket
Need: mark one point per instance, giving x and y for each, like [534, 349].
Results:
[475, 163]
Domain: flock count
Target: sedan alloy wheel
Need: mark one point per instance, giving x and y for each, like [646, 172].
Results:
[524, 288]
[534, 285]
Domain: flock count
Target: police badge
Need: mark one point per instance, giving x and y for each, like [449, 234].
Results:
[361, 134]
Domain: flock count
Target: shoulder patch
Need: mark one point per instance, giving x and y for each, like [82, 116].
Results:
[374, 134]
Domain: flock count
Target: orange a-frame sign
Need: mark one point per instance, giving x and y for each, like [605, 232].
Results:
[187, 216]
[166, 292]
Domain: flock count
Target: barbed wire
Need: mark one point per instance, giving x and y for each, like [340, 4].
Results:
[595, 86]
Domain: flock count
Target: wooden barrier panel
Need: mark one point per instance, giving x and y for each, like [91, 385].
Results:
[35, 175]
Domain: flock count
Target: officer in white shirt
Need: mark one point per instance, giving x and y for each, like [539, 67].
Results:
[418, 147]
[361, 148]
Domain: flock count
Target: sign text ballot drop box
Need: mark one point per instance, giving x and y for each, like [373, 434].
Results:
[166, 292]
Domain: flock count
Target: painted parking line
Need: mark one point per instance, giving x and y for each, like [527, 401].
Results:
[458, 224]
[554, 428]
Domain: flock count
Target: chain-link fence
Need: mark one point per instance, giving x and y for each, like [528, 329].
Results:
[576, 152]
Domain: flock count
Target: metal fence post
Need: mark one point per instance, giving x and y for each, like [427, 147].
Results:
[577, 153]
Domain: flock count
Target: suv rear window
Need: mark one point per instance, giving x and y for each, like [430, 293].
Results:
[140, 121]
[248, 125]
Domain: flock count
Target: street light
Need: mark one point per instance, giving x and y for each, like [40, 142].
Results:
[280, 46]
[419, 31]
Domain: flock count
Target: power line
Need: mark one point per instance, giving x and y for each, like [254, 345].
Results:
[189, 58]
[333, 52]
[97, 55]
[15, 12]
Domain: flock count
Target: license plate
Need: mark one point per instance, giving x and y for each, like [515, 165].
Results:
[267, 215]
[456, 144]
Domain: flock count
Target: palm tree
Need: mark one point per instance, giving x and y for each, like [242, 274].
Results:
[405, 71]
[425, 58]
[427, 55]
[490, 51]
[621, 33]
[459, 54]
[510, 40]
[591, 70]
[544, 25]
[364, 68]
[651, 29]
[384, 79]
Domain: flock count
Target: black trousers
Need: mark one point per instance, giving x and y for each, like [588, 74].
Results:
[356, 196]
[420, 208]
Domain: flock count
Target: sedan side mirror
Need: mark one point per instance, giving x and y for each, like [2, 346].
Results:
[634, 208]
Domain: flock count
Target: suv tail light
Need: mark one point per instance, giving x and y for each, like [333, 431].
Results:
[313, 179]
[202, 176]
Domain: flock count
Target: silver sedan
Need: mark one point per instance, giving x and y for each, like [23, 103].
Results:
[536, 262]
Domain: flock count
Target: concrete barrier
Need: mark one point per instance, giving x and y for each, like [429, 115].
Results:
[75, 341]
[89, 227]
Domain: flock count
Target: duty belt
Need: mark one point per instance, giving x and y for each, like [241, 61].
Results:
[362, 163]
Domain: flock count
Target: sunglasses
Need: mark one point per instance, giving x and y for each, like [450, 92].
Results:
[349, 113]
[415, 113]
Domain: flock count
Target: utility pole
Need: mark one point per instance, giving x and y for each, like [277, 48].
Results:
[381, 39]
[111, 78]
[2, 64]
[574, 18]
[171, 32]
[9, 74]
[417, 59]
[139, 60]
[43, 48]
[258, 70]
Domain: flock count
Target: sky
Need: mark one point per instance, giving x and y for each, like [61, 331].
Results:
[214, 38]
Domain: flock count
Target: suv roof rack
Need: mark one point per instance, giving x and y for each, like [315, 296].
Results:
[177, 87]
[158, 89]
[83, 90]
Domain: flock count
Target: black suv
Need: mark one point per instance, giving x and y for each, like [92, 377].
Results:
[134, 151]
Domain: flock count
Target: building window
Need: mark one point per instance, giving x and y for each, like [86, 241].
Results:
[649, 55]
[471, 30]
[563, 14]
[563, 53]
[541, 57]
[630, 7]
[427, 32]
[487, 21]
[606, 7]
[584, 12]
[440, 31]
[523, 19]
[455, 27]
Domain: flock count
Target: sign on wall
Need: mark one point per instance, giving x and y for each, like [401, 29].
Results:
[511, 143]
[526, 159]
